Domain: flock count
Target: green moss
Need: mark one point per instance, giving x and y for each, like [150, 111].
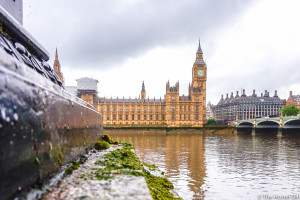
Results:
[101, 144]
[75, 165]
[107, 138]
[60, 158]
[37, 160]
[116, 142]
[125, 161]
[159, 186]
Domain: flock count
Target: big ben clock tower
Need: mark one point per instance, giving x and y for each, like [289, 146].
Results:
[198, 87]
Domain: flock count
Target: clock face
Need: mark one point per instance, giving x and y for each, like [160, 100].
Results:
[200, 73]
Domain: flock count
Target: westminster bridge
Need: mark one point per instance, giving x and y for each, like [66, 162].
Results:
[279, 123]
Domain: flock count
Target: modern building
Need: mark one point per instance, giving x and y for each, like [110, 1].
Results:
[247, 107]
[293, 99]
[57, 68]
[173, 110]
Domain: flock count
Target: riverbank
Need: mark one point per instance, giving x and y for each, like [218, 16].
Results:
[113, 173]
[211, 129]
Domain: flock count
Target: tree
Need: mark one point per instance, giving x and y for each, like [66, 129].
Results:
[212, 121]
[291, 110]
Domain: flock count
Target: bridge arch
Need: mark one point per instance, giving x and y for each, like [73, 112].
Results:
[245, 125]
[292, 123]
[268, 124]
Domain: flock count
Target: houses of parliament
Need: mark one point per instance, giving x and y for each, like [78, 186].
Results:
[173, 110]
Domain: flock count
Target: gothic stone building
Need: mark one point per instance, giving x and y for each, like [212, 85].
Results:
[247, 107]
[173, 110]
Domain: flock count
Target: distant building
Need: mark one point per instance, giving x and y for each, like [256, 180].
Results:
[173, 110]
[210, 111]
[293, 99]
[247, 107]
[86, 89]
[57, 68]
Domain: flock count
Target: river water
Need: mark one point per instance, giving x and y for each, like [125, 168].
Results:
[225, 165]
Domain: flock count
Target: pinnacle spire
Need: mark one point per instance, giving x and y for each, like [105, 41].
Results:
[143, 87]
[56, 55]
[199, 48]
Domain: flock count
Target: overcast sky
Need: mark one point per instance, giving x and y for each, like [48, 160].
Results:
[246, 44]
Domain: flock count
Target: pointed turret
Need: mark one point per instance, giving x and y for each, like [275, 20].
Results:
[199, 48]
[56, 67]
[143, 91]
[56, 55]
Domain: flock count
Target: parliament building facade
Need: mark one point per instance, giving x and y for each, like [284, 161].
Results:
[173, 110]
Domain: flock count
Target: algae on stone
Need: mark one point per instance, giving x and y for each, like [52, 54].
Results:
[124, 161]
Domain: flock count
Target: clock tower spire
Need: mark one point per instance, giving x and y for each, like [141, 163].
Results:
[199, 70]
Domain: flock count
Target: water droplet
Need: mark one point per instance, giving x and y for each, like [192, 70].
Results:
[3, 113]
[19, 188]
[15, 116]
[1, 125]
[81, 113]
[11, 142]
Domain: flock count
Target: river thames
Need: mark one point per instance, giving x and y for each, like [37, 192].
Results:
[223, 166]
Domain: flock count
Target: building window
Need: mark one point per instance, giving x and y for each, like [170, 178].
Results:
[184, 108]
[107, 108]
[163, 109]
[120, 108]
[139, 108]
[145, 117]
[151, 117]
[157, 109]
[101, 108]
[173, 117]
[151, 108]
[163, 117]
[86, 96]
[126, 117]
[184, 117]
[114, 108]
[120, 117]
[126, 108]
[107, 117]
[173, 98]
[196, 117]
[156, 117]
[114, 117]
[139, 117]
[145, 108]
[189, 117]
[132, 108]
[197, 98]
[180, 117]
[180, 108]
[132, 117]
[189, 108]
[197, 108]
[173, 108]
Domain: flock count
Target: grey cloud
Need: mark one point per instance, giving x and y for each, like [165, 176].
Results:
[101, 34]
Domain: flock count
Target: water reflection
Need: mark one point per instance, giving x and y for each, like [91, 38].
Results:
[224, 166]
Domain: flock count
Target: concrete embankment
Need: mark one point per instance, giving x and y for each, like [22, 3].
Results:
[86, 183]
[114, 172]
